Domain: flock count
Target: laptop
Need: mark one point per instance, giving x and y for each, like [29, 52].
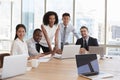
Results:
[87, 64]
[13, 66]
[69, 51]
[100, 50]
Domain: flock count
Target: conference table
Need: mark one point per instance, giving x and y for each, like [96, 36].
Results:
[66, 69]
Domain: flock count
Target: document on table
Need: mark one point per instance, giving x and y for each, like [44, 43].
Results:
[45, 58]
[101, 76]
[28, 68]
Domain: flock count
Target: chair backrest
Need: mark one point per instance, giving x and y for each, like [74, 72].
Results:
[2, 55]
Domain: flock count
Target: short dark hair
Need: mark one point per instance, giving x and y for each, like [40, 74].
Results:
[17, 27]
[66, 14]
[84, 27]
[46, 17]
[36, 30]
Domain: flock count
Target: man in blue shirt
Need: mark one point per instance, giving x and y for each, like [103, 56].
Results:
[65, 29]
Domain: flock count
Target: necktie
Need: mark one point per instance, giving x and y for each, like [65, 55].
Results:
[85, 45]
[38, 47]
[64, 35]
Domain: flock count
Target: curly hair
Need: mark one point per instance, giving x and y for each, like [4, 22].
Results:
[46, 17]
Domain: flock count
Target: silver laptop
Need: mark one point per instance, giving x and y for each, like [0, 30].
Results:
[69, 51]
[87, 64]
[100, 50]
[13, 66]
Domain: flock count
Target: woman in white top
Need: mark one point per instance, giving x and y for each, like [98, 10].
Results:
[19, 46]
[50, 30]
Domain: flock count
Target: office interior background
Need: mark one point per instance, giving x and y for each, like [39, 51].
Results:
[100, 16]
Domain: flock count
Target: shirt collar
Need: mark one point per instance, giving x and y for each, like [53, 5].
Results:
[86, 38]
[34, 41]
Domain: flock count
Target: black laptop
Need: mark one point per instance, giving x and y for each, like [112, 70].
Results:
[87, 64]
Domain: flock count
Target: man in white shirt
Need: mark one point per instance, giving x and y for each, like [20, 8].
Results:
[65, 29]
[33, 43]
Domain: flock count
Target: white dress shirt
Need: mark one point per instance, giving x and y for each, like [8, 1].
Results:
[86, 40]
[19, 47]
[32, 47]
[69, 28]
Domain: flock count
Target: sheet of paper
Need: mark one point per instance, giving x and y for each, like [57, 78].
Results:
[45, 58]
[29, 68]
[101, 76]
[57, 55]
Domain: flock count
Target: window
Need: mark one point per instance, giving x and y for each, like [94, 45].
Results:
[113, 23]
[32, 13]
[15, 15]
[113, 27]
[5, 20]
[10, 16]
[38, 13]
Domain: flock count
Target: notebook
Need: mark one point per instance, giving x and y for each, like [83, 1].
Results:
[97, 50]
[87, 64]
[13, 66]
[69, 51]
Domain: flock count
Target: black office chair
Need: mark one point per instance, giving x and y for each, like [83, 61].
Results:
[2, 55]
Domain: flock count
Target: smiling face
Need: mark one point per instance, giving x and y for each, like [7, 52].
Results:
[20, 33]
[66, 20]
[51, 20]
[84, 32]
[37, 36]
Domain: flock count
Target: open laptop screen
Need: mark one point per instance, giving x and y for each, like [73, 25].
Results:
[87, 64]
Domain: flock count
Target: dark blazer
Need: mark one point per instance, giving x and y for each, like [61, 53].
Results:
[91, 42]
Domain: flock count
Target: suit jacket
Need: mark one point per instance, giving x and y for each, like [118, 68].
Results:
[91, 42]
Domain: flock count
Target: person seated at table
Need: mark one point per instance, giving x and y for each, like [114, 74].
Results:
[86, 40]
[19, 46]
[34, 44]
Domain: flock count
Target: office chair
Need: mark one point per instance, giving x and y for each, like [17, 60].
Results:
[2, 55]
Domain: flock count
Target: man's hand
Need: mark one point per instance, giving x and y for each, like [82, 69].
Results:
[83, 51]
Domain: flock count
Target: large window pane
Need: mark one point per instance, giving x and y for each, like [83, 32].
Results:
[90, 13]
[10, 16]
[5, 19]
[113, 27]
[16, 15]
[113, 22]
[5, 25]
[28, 16]
[38, 13]
[32, 12]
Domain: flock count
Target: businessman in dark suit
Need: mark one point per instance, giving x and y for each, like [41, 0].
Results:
[86, 40]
